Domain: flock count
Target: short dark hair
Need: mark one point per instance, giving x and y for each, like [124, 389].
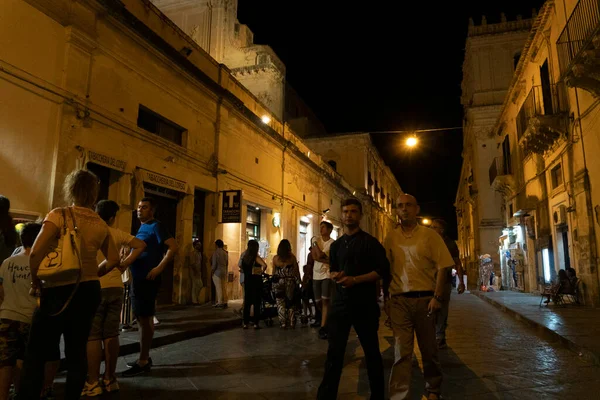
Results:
[29, 233]
[150, 200]
[219, 243]
[352, 201]
[107, 209]
[327, 224]
[442, 223]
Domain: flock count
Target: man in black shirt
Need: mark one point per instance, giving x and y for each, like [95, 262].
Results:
[357, 262]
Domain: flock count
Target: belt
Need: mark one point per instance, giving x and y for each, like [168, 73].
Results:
[412, 295]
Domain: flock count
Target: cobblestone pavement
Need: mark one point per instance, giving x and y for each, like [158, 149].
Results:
[490, 356]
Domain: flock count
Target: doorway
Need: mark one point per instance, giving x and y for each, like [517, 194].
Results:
[546, 89]
[562, 243]
[106, 178]
[166, 212]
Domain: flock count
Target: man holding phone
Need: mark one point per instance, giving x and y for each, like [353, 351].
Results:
[357, 261]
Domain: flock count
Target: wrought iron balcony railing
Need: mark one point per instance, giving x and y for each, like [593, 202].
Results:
[577, 33]
[542, 100]
[498, 168]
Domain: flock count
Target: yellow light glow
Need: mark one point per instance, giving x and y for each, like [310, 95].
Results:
[266, 119]
[426, 221]
[412, 141]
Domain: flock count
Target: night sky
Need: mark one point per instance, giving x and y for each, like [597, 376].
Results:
[379, 66]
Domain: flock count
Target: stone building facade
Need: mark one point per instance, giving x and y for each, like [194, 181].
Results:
[491, 53]
[120, 89]
[354, 156]
[546, 143]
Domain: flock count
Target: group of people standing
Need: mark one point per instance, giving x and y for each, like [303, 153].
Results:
[414, 264]
[85, 310]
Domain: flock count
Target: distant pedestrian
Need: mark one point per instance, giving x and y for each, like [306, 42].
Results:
[146, 271]
[439, 225]
[287, 276]
[196, 264]
[419, 259]
[219, 266]
[8, 233]
[307, 289]
[78, 301]
[357, 261]
[253, 266]
[104, 336]
[322, 283]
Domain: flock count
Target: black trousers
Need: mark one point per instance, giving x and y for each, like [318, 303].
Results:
[74, 323]
[365, 321]
[252, 297]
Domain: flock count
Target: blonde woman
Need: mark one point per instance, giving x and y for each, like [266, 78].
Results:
[80, 190]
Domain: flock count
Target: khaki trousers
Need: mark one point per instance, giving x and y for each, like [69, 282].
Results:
[409, 317]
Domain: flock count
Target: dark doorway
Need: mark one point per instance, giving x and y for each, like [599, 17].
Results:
[166, 213]
[103, 175]
[546, 89]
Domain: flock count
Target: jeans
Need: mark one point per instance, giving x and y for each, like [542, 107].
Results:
[365, 321]
[410, 316]
[252, 297]
[74, 323]
[442, 316]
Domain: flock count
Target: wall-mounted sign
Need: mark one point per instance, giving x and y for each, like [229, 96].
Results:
[164, 181]
[231, 206]
[106, 161]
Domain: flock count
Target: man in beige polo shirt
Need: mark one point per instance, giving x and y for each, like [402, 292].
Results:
[416, 254]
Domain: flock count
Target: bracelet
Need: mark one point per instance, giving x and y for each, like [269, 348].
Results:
[438, 298]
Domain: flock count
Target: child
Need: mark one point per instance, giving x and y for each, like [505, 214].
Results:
[16, 310]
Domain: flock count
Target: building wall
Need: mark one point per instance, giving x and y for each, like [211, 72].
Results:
[487, 73]
[75, 95]
[553, 186]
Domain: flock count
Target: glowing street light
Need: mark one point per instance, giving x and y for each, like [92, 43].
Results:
[426, 221]
[266, 119]
[412, 141]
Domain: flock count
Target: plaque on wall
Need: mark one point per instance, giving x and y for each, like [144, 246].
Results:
[231, 206]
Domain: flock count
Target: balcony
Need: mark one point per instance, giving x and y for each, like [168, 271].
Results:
[501, 178]
[578, 47]
[543, 118]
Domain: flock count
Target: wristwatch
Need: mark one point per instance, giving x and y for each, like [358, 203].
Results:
[438, 298]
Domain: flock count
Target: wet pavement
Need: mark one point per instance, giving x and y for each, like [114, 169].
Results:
[490, 356]
[577, 327]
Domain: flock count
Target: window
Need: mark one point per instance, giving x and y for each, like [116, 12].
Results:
[506, 161]
[253, 224]
[556, 176]
[511, 211]
[159, 125]
[263, 59]
[333, 164]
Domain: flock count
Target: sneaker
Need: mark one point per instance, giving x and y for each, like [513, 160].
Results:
[111, 385]
[91, 389]
[256, 326]
[156, 321]
[316, 324]
[128, 328]
[137, 370]
[323, 333]
[131, 364]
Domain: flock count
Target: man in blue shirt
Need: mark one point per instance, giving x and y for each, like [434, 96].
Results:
[145, 272]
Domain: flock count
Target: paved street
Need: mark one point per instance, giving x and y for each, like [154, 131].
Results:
[491, 356]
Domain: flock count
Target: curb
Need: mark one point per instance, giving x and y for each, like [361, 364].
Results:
[544, 331]
[132, 348]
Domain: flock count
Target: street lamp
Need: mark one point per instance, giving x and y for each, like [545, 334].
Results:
[426, 221]
[412, 141]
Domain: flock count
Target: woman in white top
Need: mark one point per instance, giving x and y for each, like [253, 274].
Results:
[74, 322]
